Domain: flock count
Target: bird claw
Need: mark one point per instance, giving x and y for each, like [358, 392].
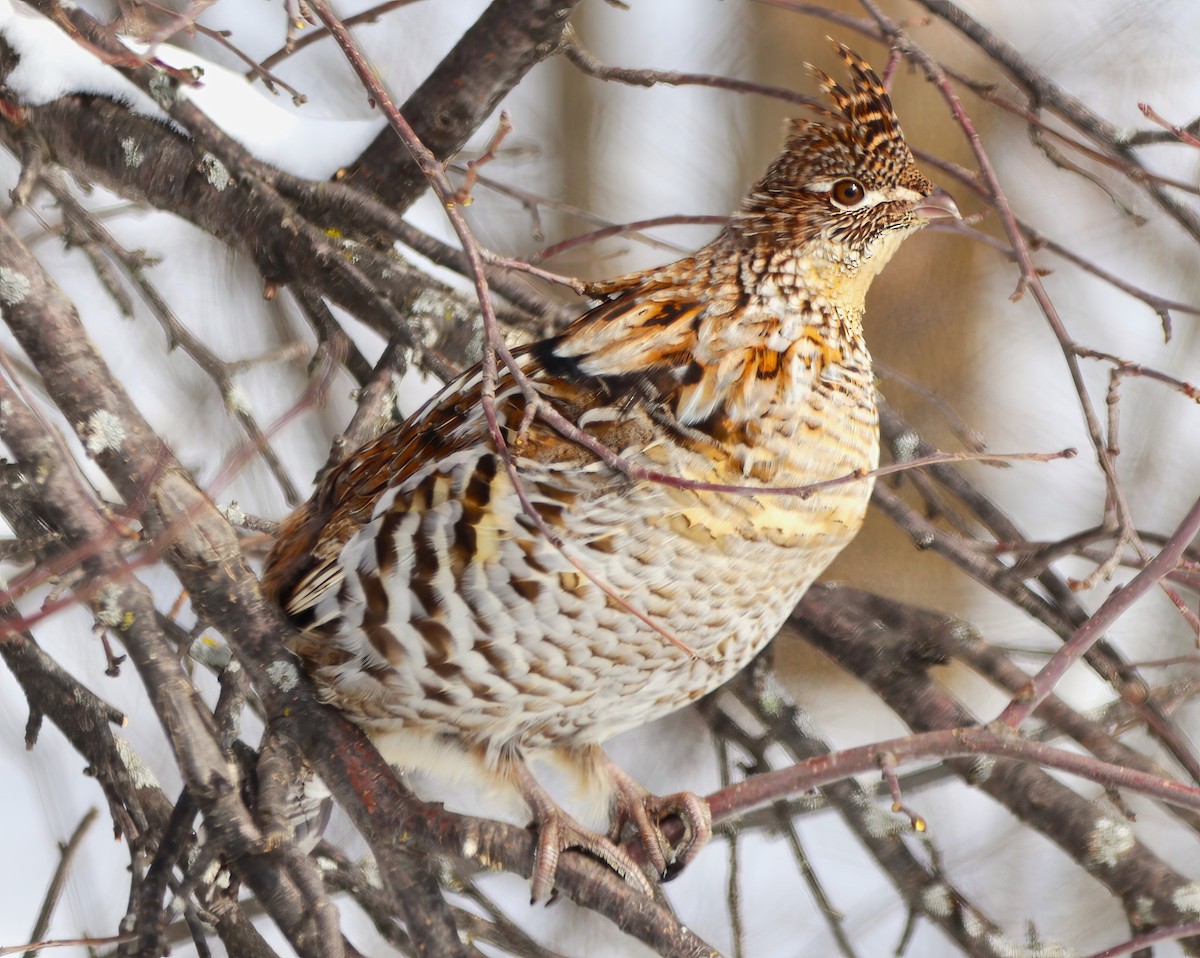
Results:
[645, 811]
[557, 832]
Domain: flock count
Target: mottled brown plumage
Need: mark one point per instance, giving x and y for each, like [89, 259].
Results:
[434, 612]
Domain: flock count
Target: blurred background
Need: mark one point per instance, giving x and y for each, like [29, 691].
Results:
[943, 316]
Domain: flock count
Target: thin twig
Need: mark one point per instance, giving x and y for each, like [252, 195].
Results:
[59, 881]
[1114, 607]
[940, 745]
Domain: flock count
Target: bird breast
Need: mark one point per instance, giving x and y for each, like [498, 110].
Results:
[456, 615]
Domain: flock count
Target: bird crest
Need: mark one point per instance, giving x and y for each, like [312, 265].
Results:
[856, 139]
[867, 111]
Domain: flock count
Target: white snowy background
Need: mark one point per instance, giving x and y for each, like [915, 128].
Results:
[632, 153]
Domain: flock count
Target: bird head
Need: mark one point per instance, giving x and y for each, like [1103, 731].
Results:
[845, 188]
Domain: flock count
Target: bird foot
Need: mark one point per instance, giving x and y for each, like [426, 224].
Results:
[646, 811]
[557, 831]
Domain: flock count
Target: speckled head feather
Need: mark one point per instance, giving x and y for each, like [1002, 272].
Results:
[858, 137]
[866, 116]
[868, 110]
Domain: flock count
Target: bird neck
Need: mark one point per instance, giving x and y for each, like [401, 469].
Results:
[814, 276]
[769, 297]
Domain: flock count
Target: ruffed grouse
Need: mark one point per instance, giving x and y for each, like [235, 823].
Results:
[435, 613]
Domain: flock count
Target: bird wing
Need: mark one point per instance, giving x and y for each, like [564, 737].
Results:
[579, 371]
[303, 567]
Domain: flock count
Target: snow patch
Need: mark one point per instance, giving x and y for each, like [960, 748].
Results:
[1109, 842]
[52, 65]
[283, 674]
[139, 772]
[14, 286]
[103, 432]
[215, 172]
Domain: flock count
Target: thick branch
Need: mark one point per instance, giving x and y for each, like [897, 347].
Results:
[491, 58]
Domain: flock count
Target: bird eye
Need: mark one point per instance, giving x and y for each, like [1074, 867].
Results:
[848, 193]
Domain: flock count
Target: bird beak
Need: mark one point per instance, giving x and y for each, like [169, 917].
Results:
[938, 205]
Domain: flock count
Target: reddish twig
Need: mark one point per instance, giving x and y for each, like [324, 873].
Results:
[1184, 136]
[1142, 943]
[623, 229]
[736, 800]
[1042, 684]
[462, 196]
[887, 768]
